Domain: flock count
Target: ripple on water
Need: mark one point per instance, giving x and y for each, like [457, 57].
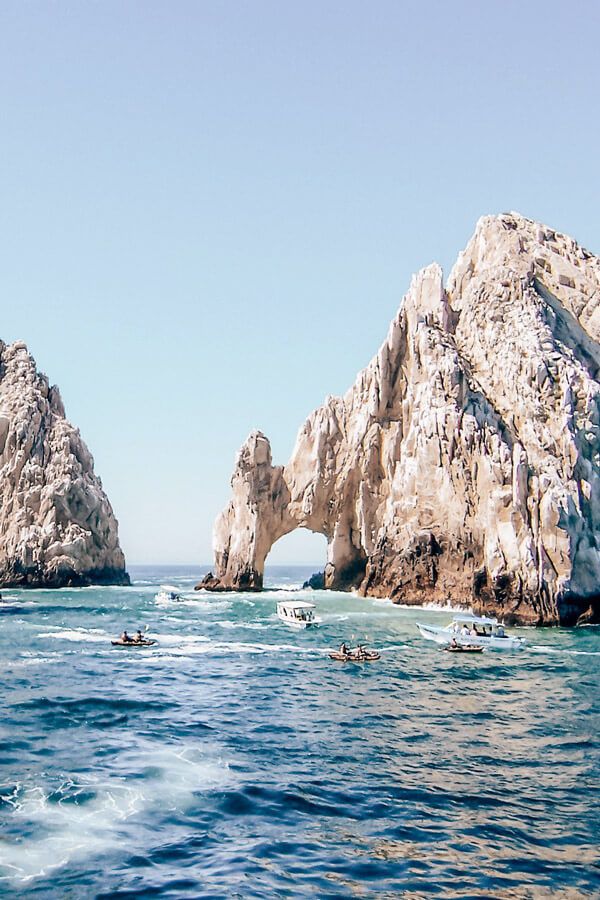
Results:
[235, 759]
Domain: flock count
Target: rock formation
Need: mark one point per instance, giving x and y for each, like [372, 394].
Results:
[463, 465]
[57, 527]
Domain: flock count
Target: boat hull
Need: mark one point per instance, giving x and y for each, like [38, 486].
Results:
[299, 625]
[131, 644]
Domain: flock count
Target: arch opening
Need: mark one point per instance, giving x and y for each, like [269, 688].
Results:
[294, 558]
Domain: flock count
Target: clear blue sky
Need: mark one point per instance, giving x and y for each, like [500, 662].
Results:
[210, 210]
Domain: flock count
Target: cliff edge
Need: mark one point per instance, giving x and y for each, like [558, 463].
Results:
[463, 464]
[57, 526]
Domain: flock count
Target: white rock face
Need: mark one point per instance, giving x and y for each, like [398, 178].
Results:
[56, 525]
[463, 464]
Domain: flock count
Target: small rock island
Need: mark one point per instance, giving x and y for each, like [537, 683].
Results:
[463, 464]
[57, 527]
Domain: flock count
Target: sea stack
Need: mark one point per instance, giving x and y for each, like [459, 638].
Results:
[57, 526]
[463, 464]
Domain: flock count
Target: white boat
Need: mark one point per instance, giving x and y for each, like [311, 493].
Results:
[168, 594]
[297, 613]
[468, 630]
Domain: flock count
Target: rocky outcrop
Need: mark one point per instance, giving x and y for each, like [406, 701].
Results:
[463, 465]
[316, 582]
[57, 527]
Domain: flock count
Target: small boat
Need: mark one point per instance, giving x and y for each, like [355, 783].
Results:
[354, 656]
[144, 643]
[466, 648]
[168, 594]
[297, 613]
[480, 630]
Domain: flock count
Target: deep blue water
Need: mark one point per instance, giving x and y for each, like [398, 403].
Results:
[235, 759]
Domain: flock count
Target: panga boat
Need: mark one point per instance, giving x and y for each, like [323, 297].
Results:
[297, 613]
[468, 630]
[168, 593]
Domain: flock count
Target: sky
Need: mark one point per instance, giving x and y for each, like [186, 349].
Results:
[210, 211]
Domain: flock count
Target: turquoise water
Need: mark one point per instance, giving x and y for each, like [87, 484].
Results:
[234, 759]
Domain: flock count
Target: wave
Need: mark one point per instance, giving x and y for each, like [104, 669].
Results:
[192, 645]
[80, 635]
[544, 648]
[253, 626]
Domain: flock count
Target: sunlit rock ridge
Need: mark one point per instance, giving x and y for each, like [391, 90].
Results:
[57, 526]
[463, 464]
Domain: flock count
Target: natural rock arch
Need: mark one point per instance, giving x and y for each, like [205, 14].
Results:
[464, 462]
[267, 505]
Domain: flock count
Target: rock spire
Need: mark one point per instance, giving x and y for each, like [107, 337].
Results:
[57, 526]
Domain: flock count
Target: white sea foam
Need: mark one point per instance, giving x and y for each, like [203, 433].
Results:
[542, 648]
[34, 661]
[196, 645]
[164, 778]
[85, 635]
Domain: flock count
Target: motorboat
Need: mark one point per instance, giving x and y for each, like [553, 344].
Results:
[168, 594]
[468, 630]
[297, 613]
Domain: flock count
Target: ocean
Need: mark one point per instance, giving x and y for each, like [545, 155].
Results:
[234, 759]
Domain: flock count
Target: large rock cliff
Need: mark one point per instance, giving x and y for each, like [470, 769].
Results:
[57, 527]
[463, 465]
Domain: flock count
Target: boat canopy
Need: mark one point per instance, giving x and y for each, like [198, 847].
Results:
[475, 620]
[296, 604]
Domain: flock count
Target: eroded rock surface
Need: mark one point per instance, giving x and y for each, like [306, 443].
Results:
[463, 464]
[56, 524]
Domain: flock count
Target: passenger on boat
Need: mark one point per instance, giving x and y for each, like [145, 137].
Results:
[500, 631]
[454, 642]
[464, 630]
[343, 649]
[139, 637]
[125, 638]
[473, 632]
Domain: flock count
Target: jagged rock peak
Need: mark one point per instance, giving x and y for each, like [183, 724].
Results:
[463, 464]
[57, 526]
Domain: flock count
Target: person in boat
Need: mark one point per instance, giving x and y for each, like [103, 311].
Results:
[125, 638]
[139, 637]
[500, 631]
[473, 632]
[464, 630]
[454, 643]
[343, 649]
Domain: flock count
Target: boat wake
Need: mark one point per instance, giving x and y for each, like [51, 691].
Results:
[542, 648]
[83, 815]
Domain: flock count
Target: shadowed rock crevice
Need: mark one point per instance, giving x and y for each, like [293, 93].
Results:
[463, 464]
